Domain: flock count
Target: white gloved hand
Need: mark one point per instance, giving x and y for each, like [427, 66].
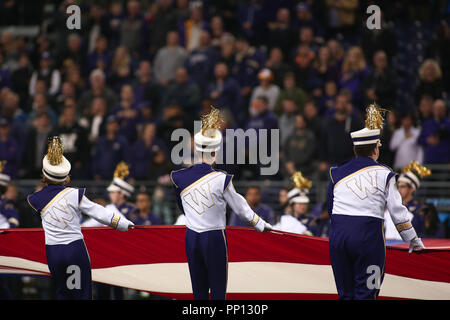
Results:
[267, 227]
[416, 244]
[124, 224]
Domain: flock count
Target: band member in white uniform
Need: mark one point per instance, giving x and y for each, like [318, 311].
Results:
[61, 209]
[203, 194]
[359, 192]
[297, 197]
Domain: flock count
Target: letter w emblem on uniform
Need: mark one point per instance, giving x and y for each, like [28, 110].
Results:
[199, 197]
[363, 183]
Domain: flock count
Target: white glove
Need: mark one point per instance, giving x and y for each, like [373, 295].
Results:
[416, 245]
[262, 226]
[267, 227]
[123, 224]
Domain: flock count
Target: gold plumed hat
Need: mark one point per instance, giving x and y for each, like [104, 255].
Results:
[301, 188]
[55, 166]
[209, 138]
[412, 173]
[118, 183]
[373, 126]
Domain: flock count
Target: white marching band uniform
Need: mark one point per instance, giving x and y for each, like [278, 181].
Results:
[61, 210]
[289, 223]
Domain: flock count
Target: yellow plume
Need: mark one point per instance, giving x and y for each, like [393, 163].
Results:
[374, 116]
[121, 171]
[213, 120]
[2, 165]
[300, 181]
[416, 168]
[55, 151]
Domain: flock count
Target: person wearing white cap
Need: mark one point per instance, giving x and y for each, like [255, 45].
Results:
[9, 218]
[61, 209]
[358, 193]
[298, 201]
[202, 194]
[407, 183]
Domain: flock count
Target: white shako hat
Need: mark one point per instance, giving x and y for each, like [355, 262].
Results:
[412, 173]
[118, 183]
[373, 125]
[209, 138]
[301, 188]
[4, 178]
[55, 166]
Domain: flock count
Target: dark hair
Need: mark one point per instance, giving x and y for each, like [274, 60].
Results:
[364, 150]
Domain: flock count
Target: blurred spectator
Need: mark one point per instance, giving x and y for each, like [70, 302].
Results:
[191, 28]
[74, 138]
[380, 84]
[266, 88]
[9, 150]
[164, 21]
[435, 135]
[168, 59]
[40, 106]
[404, 143]
[262, 117]
[184, 93]
[161, 207]
[48, 73]
[20, 79]
[127, 114]
[253, 197]
[382, 39]
[145, 89]
[342, 15]
[247, 64]
[133, 29]
[286, 121]
[142, 152]
[67, 92]
[200, 61]
[328, 99]
[100, 57]
[109, 151]
[252, 20]
[5, 73]
[292, 92]
[73, 52]
[425, 109]
[172, 118]
[306, 37]
[224, 90]
[302, 65]
[277, 65]
[353, 73]
[218, 33]
[323, 68]
[98, 89]
[143, 214]
[95, 120]
[305, 18]
[121, 68]
[430, 83]
[113, 19]
[281, 34]
[313, 120]
[336, 144]
[300, 147]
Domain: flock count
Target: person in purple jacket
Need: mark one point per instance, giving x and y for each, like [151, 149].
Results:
[435, 135]
[253, 197]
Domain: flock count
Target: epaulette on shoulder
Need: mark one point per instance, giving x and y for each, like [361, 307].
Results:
[220, 170]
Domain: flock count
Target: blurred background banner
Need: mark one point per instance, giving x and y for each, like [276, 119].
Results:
[152, 259]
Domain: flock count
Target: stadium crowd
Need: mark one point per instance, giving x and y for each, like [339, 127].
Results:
[116, 89]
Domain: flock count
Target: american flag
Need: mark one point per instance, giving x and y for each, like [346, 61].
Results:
[274, 265]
